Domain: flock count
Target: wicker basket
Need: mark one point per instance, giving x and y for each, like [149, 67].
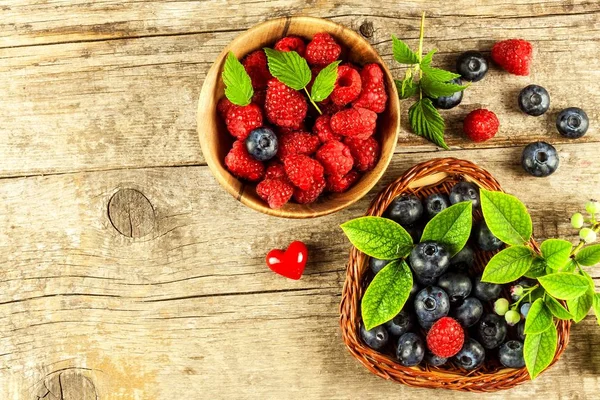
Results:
[437, 175]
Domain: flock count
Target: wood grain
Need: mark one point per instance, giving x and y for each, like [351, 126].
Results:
[191, 308]
[130, 103]
[98, 100]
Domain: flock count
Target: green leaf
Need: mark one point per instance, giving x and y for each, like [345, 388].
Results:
[592, 285]
[402, 53]
[437, 74]
[406, 88]
[428, 58]
[556, 252]
[557, 309]
[570, 266]
[589, 256]
[386, 295]
[379, 237]
[539, 351]
[596, 306]
[287, 66]
[538, 319]
[538, 268]
[324, 82]
[506, 217]
[238, 86]
[564, 285]
[435, 89]
[580, 306]
[508, 265]
[451, 227]
[426, 121]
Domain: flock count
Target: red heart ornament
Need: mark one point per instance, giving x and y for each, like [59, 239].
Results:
[289, 263]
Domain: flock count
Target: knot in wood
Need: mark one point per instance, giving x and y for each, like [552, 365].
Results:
[131, 213]
[70, 384]
[366, 29]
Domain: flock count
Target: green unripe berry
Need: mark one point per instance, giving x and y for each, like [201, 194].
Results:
[592, 207]
[577, 220]
[501, 306]
[512, 317]
[587, 235]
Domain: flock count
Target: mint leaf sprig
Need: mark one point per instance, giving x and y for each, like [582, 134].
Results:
[385, 239]
[238, 85]
[429, 83]
[565, 291]
[293, 71]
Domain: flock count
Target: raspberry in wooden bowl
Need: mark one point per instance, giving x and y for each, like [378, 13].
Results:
[331, 147]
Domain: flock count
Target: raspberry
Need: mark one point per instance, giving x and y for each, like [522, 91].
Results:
[347, 86]
[341, 183]
[285, 107]
[275, 170]
[223, 107]
[241, 121]
[364, 152]
[255, 64]
[276, 192]
[322, 129]
[358, 123]
[445, 338]
[513, 55]
[303, 171]
[241, 164]
[311, 194]
[481, 125]
[291, 43]
[373, 95]
[335, 157]
[297, 143]
[322, 50]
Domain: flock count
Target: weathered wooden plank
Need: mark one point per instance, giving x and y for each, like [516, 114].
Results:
[189, 310]
[130, 103]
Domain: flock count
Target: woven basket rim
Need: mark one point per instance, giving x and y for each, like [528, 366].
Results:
[425, 175]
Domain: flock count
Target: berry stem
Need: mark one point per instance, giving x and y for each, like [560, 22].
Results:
[312, 102]
[526, 293]
[595, 228]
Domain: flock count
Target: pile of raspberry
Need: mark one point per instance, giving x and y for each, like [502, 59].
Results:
[316, 153]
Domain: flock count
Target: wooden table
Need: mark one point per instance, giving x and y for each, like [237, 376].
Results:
[126, 272]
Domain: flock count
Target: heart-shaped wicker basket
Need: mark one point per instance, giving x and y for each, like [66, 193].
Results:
[434, 176]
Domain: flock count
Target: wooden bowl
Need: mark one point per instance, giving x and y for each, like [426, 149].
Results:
[216, 141]
[433, 176]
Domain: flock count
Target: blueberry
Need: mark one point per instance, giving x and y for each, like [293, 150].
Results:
[534, 100]
[463, 260]
[429, 259]
[411, 349]
[448, 102]
[572, 122]
[377, 265]
[457, 286]
[262, 144]
[511, 354]
[405, 210]
[469, 312]
[414, 290]
[400, 324]
[485, 238]
[492, 330]
[431, 304]
[415, 231]
[464, 191]
[471, 355]
[539, 159]
[433, 360]
[376, 338]
[525, 309]
[436, 203]
[472, 66]
[486, 291]
[426, 280]
[521, 330]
